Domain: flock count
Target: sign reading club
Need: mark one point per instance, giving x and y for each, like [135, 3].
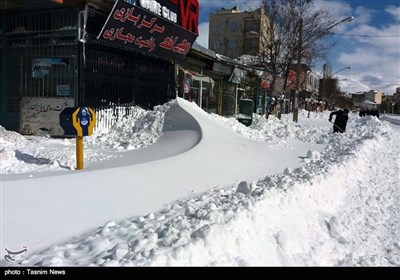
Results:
[182, 12]
[156, 8]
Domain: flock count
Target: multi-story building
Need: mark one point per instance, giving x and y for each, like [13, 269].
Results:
[374, 96]
[367, 100]
[312, 83]
[233, 33]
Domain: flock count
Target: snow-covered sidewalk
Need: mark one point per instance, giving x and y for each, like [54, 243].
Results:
[280, 194]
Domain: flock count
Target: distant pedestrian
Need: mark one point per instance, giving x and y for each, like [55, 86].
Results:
[340, 120]
[376, 113]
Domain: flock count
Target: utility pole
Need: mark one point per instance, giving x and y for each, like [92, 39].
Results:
[296, 94]
[387, 100]
[331, 97]
[299, 54]
[323, 81]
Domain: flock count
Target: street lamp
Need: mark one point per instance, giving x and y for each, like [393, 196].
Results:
[347, 67]
[299, 51]
[348, 19]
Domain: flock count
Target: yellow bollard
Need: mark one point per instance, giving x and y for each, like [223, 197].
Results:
[83, 120]
[79, 152]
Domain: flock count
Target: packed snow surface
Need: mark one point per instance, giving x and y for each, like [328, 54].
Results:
[177, 186]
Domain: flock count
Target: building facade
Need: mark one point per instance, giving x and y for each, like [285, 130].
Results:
[233, 33]
[57, 55]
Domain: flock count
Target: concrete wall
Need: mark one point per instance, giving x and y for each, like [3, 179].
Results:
[40, 116]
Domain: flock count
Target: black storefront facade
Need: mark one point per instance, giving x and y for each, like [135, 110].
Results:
[51, 58]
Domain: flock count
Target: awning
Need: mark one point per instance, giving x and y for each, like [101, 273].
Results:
[199, 77]
[237, 75]
[244, 66]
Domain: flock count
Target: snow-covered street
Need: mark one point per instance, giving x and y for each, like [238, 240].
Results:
[177, 186]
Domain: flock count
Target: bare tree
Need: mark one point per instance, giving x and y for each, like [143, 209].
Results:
[288, 20]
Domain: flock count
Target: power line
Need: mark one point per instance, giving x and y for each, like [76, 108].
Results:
[372, 36]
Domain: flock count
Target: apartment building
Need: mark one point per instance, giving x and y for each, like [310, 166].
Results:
[234, 33]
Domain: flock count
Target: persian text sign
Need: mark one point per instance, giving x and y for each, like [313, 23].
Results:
[134, 27]
[42, 66]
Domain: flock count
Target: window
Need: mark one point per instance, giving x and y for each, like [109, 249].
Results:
[251, 43]
[250, 46]
[216, 45]
[250, 25]
[233, 25]
[232, 44]
[216, 27]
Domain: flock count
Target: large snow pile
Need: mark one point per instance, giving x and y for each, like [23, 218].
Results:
[137, 128]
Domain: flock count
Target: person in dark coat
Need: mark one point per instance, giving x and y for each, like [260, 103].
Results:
[340, 120]
[376, 113]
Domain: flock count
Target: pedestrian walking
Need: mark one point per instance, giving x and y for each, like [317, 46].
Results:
[340, 120]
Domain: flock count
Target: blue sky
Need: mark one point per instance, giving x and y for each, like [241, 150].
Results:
[370, 44]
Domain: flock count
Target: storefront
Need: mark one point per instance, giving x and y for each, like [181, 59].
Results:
[58, 55]
[201, 69]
